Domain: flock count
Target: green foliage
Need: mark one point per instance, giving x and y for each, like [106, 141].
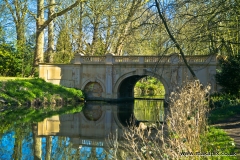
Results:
[64, 52]
[223, 100]
[216, 141]
[25, 54]
[2, 35]
[223, 106]
[149, 86]
[222, 114]
[9, 61]
[25, 91]
[152, 111]
[15, 62]
[229, 74]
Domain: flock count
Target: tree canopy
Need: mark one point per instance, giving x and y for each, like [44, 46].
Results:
[124, 27]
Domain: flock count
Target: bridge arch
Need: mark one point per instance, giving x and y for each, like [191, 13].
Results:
[124, 86]
[96, 92]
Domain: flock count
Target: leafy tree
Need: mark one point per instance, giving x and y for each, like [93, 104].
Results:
[25, 54]
[15, 62]
[64, 48]
[229, 74]
[9, 61]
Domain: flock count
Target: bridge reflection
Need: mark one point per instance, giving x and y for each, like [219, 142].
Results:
[87, 133]
[93, 125]
[88, 128]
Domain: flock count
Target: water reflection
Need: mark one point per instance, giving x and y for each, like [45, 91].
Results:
[81, 135]
[149, 110]
[87, 128]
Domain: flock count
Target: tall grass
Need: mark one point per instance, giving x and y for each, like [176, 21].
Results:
[184, 124]
[184, 135]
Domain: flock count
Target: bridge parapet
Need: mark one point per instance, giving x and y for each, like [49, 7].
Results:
[200, 59]
[97, 59]
[111, 59]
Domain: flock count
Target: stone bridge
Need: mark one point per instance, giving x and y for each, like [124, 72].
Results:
[113, 77]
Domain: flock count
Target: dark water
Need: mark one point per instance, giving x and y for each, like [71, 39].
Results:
[71, 135]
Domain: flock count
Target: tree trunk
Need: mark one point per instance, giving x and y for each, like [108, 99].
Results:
[95, 34]
[48, 147]
[17, 151]
[126, 29]
[50, 49]
[79, 39]
[38, 56]
[37, 144]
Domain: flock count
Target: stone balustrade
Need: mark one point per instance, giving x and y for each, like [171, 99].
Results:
[112, 59]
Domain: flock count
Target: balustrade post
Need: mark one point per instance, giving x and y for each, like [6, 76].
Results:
[141, 59]
[174, 59]
[109, 58]
[78, 58]
[109, 75]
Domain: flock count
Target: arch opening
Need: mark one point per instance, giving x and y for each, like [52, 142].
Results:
[126, 88]
[140, 86]
[149, 87]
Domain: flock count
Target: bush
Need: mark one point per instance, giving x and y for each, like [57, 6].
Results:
[229, 75]
[9, 61]
[15, 62]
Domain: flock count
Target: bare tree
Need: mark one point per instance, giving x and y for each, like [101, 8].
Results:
[19, 10]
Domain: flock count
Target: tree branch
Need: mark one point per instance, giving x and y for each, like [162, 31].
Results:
[45, 24]
[174, 40]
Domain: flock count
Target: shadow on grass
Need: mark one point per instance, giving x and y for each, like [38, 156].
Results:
[220, 115]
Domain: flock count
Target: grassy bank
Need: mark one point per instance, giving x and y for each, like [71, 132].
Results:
[35, 91]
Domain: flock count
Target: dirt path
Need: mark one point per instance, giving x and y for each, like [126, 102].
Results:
[232, 127]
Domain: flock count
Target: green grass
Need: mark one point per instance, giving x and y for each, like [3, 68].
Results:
[12, 78]
[217, 141]
[26, 91]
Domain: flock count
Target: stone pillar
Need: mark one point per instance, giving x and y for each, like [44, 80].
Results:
[141, 59]
[76, 73]
[174, 75]
[77, 58]
[43, 72]
[109, 75]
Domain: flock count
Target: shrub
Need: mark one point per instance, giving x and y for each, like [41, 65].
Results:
[9, 61]
[229, 75]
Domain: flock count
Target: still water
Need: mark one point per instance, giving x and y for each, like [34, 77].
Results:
[81, 133]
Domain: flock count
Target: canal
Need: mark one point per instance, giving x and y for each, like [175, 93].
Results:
[82, 133]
